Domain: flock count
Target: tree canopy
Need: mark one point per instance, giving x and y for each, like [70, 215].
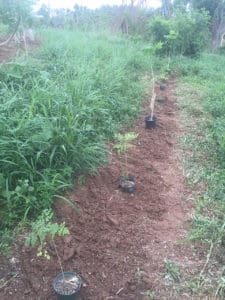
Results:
[12, 10]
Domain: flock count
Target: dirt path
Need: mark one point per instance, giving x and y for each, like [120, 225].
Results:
[119, 242]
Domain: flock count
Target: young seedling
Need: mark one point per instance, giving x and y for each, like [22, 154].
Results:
[164, 75]
[151, 295]
[44, 230]
[139, 274]
[124, 143]
[172, 271]
[150, 120]
[153, 97]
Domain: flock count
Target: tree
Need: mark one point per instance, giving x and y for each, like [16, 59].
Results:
[184, 33]
[12, 10]
[181, 5]
[44, 12]
[166, 8]
[216, 10]
[14, 13]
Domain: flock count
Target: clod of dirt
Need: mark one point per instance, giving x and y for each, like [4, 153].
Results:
[69, 252]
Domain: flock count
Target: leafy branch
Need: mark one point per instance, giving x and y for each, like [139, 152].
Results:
[124, 144]
[44, 229]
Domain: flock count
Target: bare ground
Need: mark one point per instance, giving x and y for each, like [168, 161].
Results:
[119, 242]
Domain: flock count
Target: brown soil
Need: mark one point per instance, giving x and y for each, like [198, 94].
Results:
[119, 242]
[12, 49]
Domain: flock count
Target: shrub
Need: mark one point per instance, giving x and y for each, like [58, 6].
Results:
[183, 34]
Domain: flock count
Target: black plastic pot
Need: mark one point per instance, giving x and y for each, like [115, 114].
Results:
[162, 87]
[127, 184]
[161, 99]
[150, 122]
[71, 294]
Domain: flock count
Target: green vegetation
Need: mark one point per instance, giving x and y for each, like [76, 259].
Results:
[172, 272]
[58, 108]
[122, 145]
[202, 98]
[64, 102]
[43, 230]
[184, 34]
[12, 9]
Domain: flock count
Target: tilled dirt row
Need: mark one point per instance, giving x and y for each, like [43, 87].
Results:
[119, 242]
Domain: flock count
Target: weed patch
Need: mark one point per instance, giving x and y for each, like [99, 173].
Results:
[58, 109]
[201, 96]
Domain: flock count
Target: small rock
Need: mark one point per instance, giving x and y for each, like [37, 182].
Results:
[14, 260]
[162, 87]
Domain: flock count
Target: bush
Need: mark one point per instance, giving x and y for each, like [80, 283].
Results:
[183, 34]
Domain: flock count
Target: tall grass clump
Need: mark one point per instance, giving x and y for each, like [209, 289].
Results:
[202, 98]
[58, 108]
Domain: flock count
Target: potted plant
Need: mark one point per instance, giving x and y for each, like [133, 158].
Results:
[66, 285]
[163, 81]
[150, 120]
[161, 99]
[164, 76]
[126, 182]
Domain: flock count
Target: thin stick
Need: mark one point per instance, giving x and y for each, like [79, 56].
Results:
[153, 81]
[152, 102]
[120, 290]
[152, 105]
[25, 43]
[206, 262]
[59, 260]
[126, 172]
[6, 282]
[12, 35]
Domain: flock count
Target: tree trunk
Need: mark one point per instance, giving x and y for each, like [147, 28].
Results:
[167, 8]
[218, 28]
[12, 35]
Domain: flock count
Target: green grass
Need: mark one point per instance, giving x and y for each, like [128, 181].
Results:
[202, 99]
[3, 29]
[59, 107]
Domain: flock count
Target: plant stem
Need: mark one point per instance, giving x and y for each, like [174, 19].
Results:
[59, 260]
[152, 101]
[126, 172]
[206, 262]
[152, 105]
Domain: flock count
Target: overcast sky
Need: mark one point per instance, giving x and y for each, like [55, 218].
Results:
[88, 3]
